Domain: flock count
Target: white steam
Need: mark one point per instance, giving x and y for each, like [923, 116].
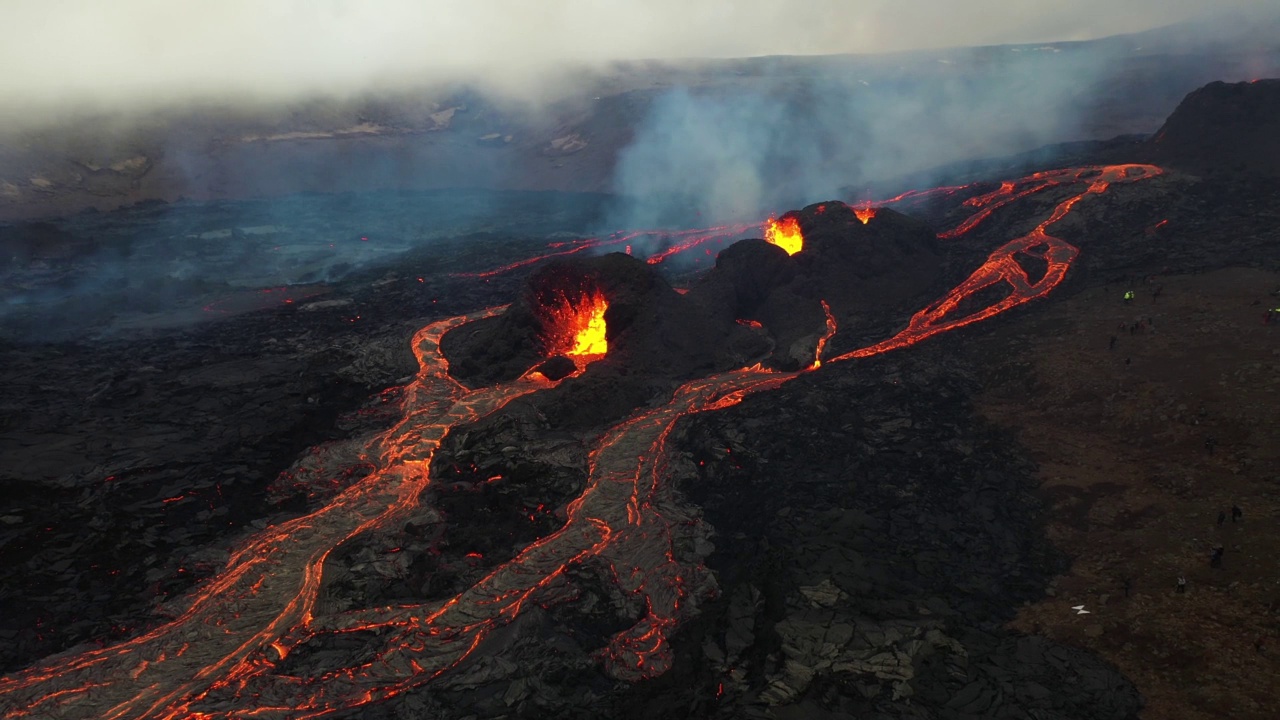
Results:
[731, 154]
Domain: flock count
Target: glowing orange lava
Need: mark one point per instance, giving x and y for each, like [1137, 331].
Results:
[864, 214]
[221, 656]
[590, 339]
[576, 327]
[784, 233]
[680, 241]
[1002, 265]
[826, 336]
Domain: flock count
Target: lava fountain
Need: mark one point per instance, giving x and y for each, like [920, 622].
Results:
[574, 323]
[785, 233]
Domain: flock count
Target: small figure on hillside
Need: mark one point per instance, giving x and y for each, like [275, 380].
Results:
[1156, 295]
[1215, 560]
[1222, 517]
[1128, 585]
[1128, 296]
[1111, 345]
[1128, 361]
[1237, 515]
[1210, 443]
[1260, 645]
[1182, 584]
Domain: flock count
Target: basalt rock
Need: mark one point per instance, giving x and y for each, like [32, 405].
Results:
[862, 271]
[928, 538]
[1223, 128]
[872, 539]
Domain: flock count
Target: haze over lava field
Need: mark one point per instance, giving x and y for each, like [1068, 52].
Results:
[502, 431]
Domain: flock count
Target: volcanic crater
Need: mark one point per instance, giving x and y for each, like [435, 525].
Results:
[761, 491]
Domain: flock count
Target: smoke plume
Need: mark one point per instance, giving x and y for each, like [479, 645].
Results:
[131, 53]
[732, 154]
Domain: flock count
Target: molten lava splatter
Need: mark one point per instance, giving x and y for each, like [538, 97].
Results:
[221, 656]
[575, 326]
[591, 340]
[864, 214]
[784, 233]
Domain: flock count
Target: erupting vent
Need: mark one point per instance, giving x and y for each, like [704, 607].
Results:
[785, 233]
[864, 214]
[224, 655]
[575, 325]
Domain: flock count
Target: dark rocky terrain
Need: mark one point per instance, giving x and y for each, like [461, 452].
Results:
[1224, 129]
[874, 536]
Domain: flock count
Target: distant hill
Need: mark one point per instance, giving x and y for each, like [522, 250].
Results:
[1224, 127]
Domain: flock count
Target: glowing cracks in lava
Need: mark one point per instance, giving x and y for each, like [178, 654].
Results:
[864, 214]
[784, 233]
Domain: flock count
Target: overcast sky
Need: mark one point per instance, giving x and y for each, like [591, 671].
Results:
[103, 50]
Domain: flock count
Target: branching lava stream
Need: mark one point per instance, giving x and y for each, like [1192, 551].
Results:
[221, 658]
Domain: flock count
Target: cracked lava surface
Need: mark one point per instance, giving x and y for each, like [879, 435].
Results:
[221, 657]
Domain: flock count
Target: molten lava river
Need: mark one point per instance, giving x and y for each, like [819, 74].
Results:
[222, 656]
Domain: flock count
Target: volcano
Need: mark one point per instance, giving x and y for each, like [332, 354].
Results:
[576, 482]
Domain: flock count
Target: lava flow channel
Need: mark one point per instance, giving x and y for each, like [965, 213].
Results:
[220, 658]
[684, 240]
[1002, 266]
[268, 587]
[785, 232]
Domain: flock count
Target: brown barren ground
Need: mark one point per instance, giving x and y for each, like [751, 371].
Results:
[1134, 492]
